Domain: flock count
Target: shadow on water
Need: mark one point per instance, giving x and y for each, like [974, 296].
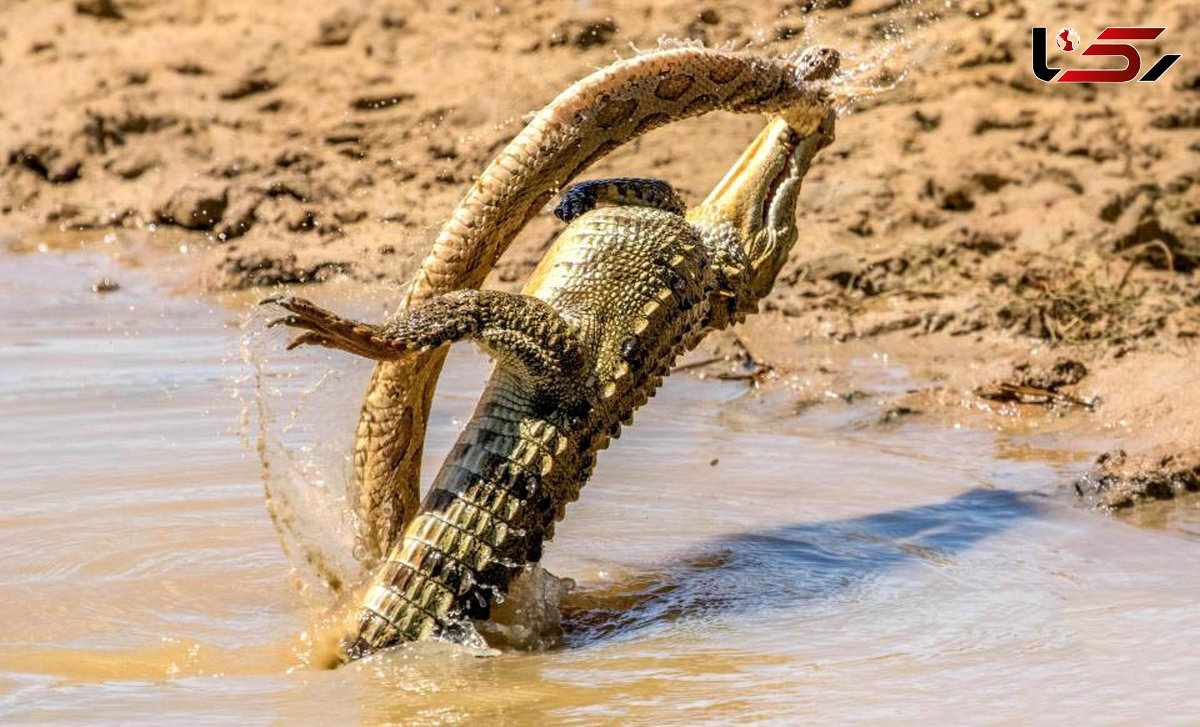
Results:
[783, 566]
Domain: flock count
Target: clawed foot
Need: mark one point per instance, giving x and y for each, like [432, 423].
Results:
[323, 328]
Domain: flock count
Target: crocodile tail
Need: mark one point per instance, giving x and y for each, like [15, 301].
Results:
[584, 123]
[483, 519]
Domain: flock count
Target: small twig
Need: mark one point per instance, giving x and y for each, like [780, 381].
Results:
[755, 377]
[1032, 395]
[1137, 249]
[698, 364]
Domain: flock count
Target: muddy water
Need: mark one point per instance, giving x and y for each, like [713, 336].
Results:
[735, 560]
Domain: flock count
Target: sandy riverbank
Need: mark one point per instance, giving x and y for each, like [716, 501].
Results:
[1030, 250]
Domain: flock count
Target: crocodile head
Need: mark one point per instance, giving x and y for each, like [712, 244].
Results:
[750, 217]
[755, 204]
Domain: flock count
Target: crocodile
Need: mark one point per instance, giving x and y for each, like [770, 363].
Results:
[633, 281]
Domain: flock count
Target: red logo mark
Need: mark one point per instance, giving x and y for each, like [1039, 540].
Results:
[1067, 39]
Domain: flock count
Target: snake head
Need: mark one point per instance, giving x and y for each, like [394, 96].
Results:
[813, 67]
[817, 63]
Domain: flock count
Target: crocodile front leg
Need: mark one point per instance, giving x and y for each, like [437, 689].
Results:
[514, 467]
[527, 337]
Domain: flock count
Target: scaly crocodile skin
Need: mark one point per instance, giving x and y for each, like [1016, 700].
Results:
[585, 122]
[621, 293]
[624, 290]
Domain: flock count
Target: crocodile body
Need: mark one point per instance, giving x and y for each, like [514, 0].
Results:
[632, 282]
[584, 123]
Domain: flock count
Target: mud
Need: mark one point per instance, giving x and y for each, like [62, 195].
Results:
[973, 222]
[1121, 481]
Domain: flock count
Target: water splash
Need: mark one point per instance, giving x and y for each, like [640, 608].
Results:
[289, 410]
[297, 417]
[530, 617]
[876, 64]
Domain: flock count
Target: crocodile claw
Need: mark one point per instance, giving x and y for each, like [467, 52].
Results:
[296, 321]
[310, 338]
[291, 303]
[327, 329]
